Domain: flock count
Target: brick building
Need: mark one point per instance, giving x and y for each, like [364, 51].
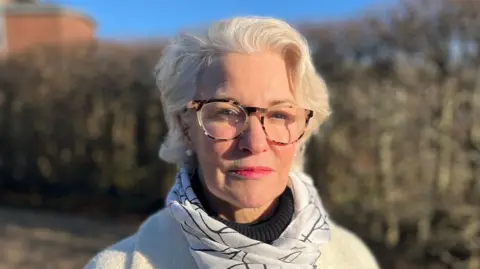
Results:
[24, 24]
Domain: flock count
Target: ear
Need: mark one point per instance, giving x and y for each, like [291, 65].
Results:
[300, 149]
[184, 129]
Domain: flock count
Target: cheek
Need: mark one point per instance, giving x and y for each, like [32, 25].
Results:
[208, 150]
[285, 155]
[200, 142]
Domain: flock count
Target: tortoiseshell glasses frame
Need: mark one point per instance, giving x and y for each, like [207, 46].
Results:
[197, 105]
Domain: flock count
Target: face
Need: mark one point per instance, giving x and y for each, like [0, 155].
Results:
[232, 170]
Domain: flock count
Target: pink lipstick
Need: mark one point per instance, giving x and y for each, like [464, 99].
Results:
[252, 172]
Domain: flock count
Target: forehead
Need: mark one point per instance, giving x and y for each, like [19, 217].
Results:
[253, 79]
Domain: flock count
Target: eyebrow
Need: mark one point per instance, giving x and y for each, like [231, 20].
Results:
[283, 101]
[272, 103]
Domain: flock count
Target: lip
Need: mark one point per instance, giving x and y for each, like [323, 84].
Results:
[251, 172]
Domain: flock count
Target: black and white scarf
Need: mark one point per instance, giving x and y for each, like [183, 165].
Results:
[216, 246]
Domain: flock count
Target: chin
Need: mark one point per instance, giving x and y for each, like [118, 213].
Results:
[253, 204]
[255, 198]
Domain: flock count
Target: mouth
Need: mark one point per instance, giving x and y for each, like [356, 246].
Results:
[251, 172]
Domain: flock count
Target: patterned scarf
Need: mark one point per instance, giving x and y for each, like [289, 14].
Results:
[216, 246]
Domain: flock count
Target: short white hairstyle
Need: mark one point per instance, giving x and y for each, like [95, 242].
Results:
[189, 54]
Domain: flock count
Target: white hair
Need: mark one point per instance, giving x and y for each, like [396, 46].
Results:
[190, 54]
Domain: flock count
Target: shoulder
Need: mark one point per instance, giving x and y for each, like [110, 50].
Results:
[115, 256]
[346, 250]
[154, 245]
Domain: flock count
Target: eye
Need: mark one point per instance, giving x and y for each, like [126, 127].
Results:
[280, 116]
[226, 112]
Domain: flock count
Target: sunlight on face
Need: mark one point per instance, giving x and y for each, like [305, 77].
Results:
[249, 171]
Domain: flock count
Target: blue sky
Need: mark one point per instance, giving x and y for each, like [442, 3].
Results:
[157, 18]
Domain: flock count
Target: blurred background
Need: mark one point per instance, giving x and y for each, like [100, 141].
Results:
[81, 123]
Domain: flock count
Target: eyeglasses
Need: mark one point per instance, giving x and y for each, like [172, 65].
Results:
[226, 119]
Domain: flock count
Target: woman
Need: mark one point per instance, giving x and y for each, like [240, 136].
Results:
[240, 99]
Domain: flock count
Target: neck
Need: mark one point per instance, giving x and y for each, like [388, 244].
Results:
[263, 224]
[240, 215]
[226, 211]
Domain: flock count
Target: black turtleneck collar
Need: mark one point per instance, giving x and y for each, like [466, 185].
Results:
[265, 231]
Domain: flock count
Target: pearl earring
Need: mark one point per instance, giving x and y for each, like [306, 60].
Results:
[189, 152]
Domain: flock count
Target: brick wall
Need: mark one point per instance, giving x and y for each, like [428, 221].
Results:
[27, 26]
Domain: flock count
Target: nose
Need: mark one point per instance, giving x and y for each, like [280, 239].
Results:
[253, 138]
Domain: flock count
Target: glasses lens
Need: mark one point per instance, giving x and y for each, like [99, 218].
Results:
[285, 124]
[223, 120]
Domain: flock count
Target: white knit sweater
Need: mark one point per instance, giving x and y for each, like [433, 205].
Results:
[160, 244]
